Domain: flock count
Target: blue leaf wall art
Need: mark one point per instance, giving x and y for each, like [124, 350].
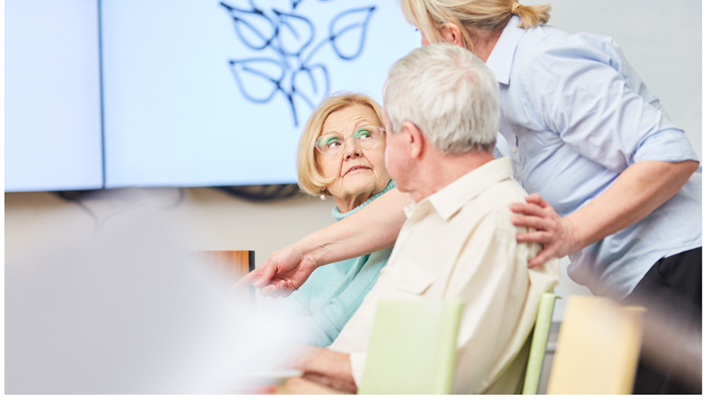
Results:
[292, 37]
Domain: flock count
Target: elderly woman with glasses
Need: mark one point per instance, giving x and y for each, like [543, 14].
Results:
[341, 154]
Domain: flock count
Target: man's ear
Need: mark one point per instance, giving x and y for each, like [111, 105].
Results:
[416, 139]
[452, 34]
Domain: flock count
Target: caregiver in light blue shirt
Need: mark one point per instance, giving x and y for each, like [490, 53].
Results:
[575, 116]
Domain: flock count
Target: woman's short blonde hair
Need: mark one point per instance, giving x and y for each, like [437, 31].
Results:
[309, 178]
[430, 15]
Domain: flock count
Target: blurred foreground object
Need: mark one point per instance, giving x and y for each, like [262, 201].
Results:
[127, 310]
[598, 348]
[671, 352]
[303, 386]
[232, 265]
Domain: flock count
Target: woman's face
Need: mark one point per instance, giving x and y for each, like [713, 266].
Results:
[359, 172]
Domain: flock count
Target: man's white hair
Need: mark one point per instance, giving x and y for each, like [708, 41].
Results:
[449, 94]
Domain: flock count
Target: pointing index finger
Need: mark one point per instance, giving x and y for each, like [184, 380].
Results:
[266, 274]
[246, 280]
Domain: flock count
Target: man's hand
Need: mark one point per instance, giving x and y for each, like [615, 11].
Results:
[281, 274]
[555, 233]
[324, 366]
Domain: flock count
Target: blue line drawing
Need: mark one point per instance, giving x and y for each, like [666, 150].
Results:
[245, 70]
[290, 35]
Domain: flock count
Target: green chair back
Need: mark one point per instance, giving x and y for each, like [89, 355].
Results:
[412, 348]
[539, 343]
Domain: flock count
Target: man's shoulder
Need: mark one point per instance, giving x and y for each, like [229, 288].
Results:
[500, 195]
[508, 189]
[492, 206]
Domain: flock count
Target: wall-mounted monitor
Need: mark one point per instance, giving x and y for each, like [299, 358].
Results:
[53, 134]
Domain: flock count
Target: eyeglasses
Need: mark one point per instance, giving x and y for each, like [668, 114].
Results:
[364, 137]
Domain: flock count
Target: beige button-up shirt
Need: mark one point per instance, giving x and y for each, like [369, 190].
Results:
[459, 242]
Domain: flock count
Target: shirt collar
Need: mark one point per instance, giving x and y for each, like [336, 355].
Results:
[501, 57]
[454, 196]
[409, 209]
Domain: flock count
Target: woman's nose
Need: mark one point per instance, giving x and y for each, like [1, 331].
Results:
[352, 149]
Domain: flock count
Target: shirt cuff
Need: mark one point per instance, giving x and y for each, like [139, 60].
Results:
[357, 366]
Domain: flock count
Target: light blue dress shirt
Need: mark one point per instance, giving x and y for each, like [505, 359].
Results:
[574, 116]
[321, 307]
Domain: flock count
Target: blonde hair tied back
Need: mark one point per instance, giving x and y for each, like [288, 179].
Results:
[531, 16]
[430, 15]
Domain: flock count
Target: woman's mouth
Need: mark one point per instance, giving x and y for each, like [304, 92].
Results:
[355, 169]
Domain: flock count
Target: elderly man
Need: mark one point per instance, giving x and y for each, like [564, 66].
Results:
[441, 116]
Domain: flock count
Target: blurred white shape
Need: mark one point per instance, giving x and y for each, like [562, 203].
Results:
[128, 311]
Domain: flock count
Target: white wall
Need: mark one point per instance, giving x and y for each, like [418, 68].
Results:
[226, 222]
[33, 221]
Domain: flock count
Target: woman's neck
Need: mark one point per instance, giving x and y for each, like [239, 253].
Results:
[352, 202]
[484, 41]
[344, 208]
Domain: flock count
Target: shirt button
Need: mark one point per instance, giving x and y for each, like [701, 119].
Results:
[514, 149]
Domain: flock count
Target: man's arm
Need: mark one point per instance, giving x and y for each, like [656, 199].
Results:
[373, 228]
[325, 367]
[637, 192]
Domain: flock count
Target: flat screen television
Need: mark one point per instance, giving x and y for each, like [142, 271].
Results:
[53, 131]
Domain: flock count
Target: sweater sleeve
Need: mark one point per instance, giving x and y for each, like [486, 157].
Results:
[323, 326]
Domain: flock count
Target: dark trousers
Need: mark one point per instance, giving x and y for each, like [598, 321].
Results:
[673, 289]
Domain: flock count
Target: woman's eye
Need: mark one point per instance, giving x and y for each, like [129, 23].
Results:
[363, 134]
[331, 143]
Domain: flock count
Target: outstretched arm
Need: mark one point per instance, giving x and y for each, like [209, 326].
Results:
[637, 192]
[373, 228]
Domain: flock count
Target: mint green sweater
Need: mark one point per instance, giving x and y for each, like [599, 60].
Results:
[321, 307]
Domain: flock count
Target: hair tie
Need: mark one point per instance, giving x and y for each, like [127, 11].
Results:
[515, 6]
